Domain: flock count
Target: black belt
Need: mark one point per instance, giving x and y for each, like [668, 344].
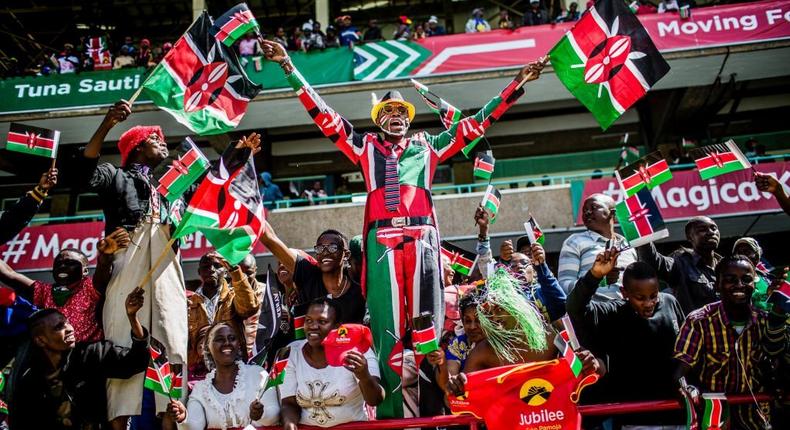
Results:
[400, 221]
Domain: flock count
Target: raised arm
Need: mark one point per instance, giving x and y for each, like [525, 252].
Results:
[284, 254]
[245, 301]
[662, 264]
[580, 306]
[117, 113]
[461, 133]
[334, 126]
[484, 255]
[554, 297]
[19, 282]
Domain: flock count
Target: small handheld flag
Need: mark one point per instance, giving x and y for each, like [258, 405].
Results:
[184, 171]
[277, 374]
[717, 412]
[640, 219]
[448, 114]
[159, 376]
[491, 201]
[719, 159]
[534, 233]
[234, 24]
[484, 165]
[461, 260]
[28, 139]
[299, 328]
[424, 335]
[649, 171]
[608, 61]
[691, 411]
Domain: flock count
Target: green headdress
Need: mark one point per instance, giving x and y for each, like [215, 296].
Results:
[524, 329]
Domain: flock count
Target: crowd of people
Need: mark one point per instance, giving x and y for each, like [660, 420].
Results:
[81, 344]
[103, 52]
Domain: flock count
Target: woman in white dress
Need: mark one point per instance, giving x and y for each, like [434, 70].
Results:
[317, 394]
[232, 396]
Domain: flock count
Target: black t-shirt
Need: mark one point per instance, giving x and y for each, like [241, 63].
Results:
[309, 282]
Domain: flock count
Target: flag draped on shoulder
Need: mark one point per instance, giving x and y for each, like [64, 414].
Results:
[647, 172]
[608, 61]
[461, 260]
[269, 317]
[184, 171]
[484, 165]
[226, 207]
[234, 24]
[491, 201]
[640, 219]
[28, 139]
[448, 114]
[201, 82]
[719, 159]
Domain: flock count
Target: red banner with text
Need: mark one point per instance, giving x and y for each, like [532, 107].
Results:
[35, 247]
[687, 195]
[708, 27]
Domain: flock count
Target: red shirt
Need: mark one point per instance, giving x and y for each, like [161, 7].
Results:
[80, 308]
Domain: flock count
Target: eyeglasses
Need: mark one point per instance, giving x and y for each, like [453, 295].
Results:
[331, 248]
[392, 108]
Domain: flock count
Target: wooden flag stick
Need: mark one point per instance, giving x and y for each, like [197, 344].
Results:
[136, 94]
[157, 263]
[53, 163]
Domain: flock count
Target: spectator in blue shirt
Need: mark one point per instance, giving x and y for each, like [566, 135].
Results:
[349, 35]
[434, 29]
[270, 192]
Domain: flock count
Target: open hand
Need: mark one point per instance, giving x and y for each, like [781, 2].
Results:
[273, 51]
[118, 113]
[253, 142]
[356, 364]
[48, 179]
[256, 410]
[135, 301]
[116, 241]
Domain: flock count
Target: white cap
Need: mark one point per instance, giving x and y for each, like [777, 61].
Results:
[433, 19]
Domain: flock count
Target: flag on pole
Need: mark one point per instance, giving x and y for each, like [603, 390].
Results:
[227, 207]
[299, 327]
[277, 374]
[269, 317]
[534, 233]
[159, 376]
[424, 335]
[96, 48]
[234, 24]
[28, 139]
[184, 171]
[781, 295]
[569, 356]
[719, 159]
[484, 165]
[608, 61]
[716, 415]
[649, 171]
[491, 201]
[461, 260]
[201, 82]
[640, 219]
[692, 422]
[448, 114]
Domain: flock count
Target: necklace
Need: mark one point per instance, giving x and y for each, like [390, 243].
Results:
[345, 284]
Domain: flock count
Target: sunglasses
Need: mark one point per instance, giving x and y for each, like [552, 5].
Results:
[331, 248]
[393, 108]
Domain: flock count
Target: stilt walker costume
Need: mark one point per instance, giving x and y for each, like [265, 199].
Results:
[403, 275]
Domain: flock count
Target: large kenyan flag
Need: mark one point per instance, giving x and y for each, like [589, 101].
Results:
[640, 219]
[201, 82]
[608, 61]
[227, 207]
[649, 171]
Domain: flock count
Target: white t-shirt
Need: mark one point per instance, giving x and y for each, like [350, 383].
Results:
[328, 396]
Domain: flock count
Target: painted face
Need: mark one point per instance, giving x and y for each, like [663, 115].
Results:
[68, 268]
[318, 322]
[472, 325]
[736, 283]
[642, 295]
[393, 119]
[224, 346]
[329, 252]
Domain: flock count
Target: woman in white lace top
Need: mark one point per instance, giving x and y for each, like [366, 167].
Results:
[232, 395]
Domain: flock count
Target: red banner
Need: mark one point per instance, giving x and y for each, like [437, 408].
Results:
[35, 247]
[686, 195]
[708, 27]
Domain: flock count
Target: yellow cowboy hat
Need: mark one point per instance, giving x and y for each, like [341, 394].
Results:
[391, 97]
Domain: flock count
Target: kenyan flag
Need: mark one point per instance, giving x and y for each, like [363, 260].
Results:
[484, 165]
[719, 159]
[649, 171]
[491, 200]
[448, 114]
[277, 374]
[569, 355]
[424, 335]
[299, 328]
[184, 172]
[608, 61]
[234, 24]
[691, 411]
[158, 376]
[461, 260]
[534, 233]
[640, 219]
[717, 412]
[33, 140]
[201, 82]
[226, 206]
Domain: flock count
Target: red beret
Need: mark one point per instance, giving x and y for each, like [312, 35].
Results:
[135, 136]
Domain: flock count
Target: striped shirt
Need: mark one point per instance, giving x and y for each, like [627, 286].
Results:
[578, 255]
[726, 361]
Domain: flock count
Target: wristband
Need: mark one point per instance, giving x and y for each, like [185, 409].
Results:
[482, 238]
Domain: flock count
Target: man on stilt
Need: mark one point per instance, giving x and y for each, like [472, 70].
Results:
[403, 275]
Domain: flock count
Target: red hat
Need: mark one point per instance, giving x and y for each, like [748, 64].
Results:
[7, 296]
[347, 337]
[134, 137]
